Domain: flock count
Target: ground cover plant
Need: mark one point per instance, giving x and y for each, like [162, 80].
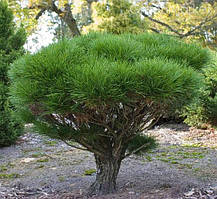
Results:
[11, 47]
[102, 91]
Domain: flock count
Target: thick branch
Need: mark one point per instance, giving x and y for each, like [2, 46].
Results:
[71, 145]
[41, 12]
[155, 30]
[162, 23]
[65, 15]
[199, 26]
[189, 33]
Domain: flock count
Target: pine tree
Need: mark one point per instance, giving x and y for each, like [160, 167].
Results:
[103, 90]
[11, 42]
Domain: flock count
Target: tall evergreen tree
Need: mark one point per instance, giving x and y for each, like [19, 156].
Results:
[11, 47]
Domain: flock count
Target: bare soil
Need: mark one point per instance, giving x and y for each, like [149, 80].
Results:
[184, 165]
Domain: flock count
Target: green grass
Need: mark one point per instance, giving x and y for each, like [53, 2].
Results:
[9, 176]
[6, 166]
[3, 168]
[182, 157]
[89, 172]
[196, 169]
[149, 158]
[196, 145]
[50, 143]
[37, 155]
[163, 159]
[43, 160]
[61, 178]
[174, 162]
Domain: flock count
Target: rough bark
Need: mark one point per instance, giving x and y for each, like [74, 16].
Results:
[107, 171]
[70, 21]
[89, 10]
[65, 14]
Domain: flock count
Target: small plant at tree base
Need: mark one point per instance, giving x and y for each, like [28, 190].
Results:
[103, 91]
[11, 47]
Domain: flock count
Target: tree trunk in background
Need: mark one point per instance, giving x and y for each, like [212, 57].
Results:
[65, 14]
[70, 21]
[89, 11]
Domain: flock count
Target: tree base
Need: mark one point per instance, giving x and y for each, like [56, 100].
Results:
[98, 189]
[107, 171]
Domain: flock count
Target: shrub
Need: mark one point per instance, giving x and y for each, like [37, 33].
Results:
[202, 113]
[11, 43]
[102, 91]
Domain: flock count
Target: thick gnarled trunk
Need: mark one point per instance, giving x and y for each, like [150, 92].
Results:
[107, 171]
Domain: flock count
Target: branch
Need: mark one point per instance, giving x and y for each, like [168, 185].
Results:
[162, 23]
[71, 145]
[189, 33]
[90, 148]
[136, 150]
[65, 15]
[40, 13]
[69, 20]
[199, 26]
[153, 122]
[160, 8]
[165, 11]
[155, 30]
[54, 8]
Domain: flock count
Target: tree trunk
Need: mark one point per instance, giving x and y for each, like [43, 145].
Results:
[70, 21]
[107, 171]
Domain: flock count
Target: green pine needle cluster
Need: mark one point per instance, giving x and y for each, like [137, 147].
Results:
[64, 86]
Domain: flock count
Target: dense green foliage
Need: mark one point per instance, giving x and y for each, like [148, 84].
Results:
[11, 43]
[103, 90]
[101, 69]
[202, 112]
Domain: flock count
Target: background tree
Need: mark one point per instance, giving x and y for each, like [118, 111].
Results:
[82, 12]
[108, 89]
[202, 112]
[23, 15]
[11, 42]
[122, 16]
[191, 20]
[74, 14]
[116, 16]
